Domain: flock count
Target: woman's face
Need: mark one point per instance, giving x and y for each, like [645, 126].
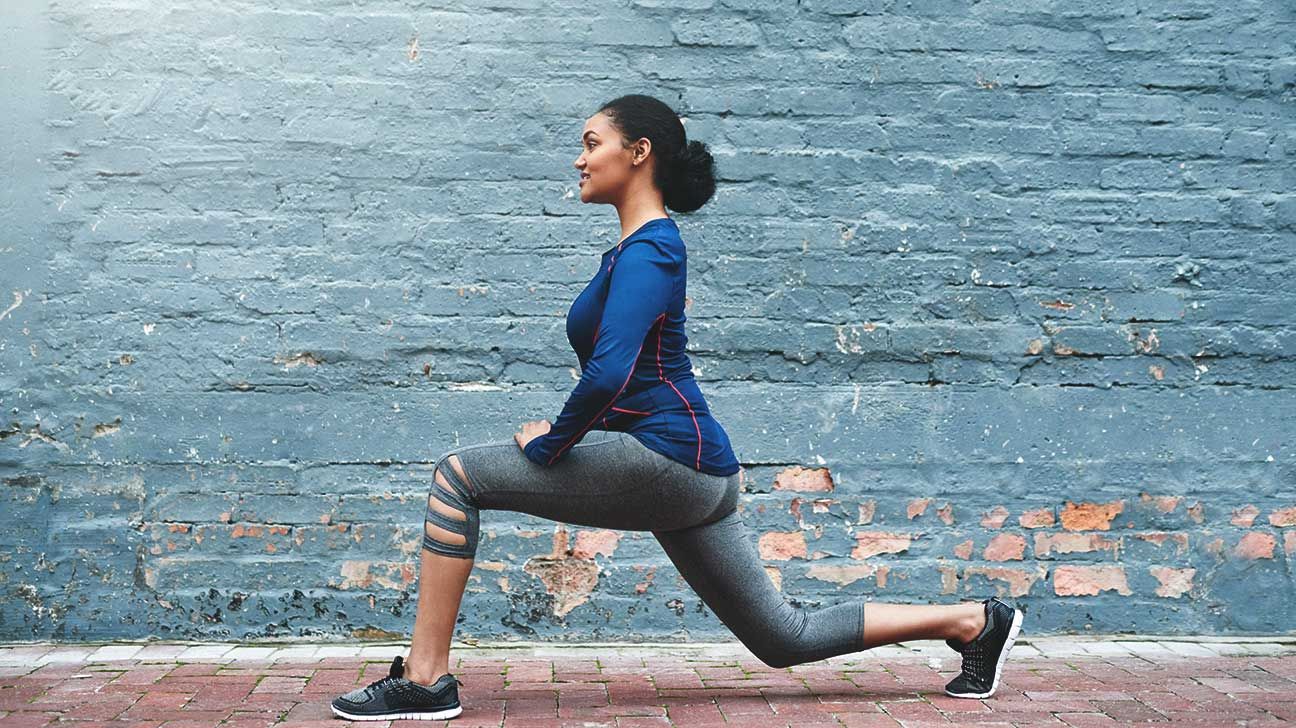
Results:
[604, 164]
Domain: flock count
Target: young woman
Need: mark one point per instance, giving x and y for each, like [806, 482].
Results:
[636, 447]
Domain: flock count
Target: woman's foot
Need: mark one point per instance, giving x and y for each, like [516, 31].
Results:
[983, 656]
[396, 697]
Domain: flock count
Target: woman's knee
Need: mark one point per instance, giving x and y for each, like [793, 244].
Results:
[450, 525]
[783, 646]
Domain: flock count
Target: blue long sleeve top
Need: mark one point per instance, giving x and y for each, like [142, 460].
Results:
[627, 328]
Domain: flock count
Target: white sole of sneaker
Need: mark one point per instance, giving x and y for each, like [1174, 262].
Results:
[1003, 655]
[434, 715]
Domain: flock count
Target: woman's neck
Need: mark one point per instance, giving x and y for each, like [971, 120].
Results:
[634, 217]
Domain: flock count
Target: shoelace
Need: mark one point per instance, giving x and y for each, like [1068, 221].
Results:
[399, 684]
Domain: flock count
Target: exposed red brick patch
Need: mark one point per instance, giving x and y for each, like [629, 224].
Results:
[1244, 516]
[1289, 542]
[818, 505]
[842, 574]
[995, 517]
[1071, 543]
[642, 586]
[803, 479]
[917, 507]
[949, 579]
[1157, 372]
[1256, 545]
[589, 543]
[1034, 346]
[359, 575]
[1163, 503]
[964, 550]
[781, 546]
[569, 580]
[1179, 538]
[1174, 582]
[866, 511]
[946, 514]
[1196, 513]
[1074, 581]
[1283, 517]
[872, 543]
[1005, 547]
[1039, 518]
[1019, 580]
[1090, 516]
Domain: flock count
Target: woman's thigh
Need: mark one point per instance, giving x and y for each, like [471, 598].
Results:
[607, 480]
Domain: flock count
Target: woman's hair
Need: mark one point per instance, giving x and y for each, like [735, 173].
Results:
[685, 170]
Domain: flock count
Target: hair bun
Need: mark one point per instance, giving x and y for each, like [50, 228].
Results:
[693, 180]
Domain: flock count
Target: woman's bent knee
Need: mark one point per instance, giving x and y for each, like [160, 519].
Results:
[450, 525]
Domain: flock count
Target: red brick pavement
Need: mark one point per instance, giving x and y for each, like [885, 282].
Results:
[639, 692]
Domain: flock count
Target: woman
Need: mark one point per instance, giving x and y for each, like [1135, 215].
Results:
[635, 447]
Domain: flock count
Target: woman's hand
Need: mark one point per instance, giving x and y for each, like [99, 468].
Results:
[530, 431]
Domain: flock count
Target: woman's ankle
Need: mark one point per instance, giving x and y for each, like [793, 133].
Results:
[417, 673]
[970, 627]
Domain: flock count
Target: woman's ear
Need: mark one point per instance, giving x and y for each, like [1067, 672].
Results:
[639, 152]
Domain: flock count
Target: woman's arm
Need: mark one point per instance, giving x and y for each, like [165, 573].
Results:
[638, 294]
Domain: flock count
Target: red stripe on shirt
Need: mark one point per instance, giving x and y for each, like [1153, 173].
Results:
[630, 411]
[662, 376]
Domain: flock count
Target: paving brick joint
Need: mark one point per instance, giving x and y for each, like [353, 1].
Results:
[993, 299]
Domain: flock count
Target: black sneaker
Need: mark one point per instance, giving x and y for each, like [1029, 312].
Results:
[983, 657]
[396, 698]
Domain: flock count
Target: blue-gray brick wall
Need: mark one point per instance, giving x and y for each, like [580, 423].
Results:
[993, 298]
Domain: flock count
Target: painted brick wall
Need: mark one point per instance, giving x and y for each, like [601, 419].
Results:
[994, 298]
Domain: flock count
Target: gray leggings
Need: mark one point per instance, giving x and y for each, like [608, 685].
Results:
[611, 480]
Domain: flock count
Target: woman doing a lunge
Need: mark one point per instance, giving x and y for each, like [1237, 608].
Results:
[636, 448]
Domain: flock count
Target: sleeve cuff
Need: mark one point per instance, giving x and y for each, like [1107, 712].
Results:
[532, 452]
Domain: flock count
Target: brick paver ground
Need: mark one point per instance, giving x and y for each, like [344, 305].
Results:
[1048, 681]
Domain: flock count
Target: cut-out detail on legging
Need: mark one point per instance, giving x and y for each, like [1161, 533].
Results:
[441, 506]
[451, 521]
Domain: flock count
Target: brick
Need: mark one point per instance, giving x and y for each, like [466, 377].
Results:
[1019, 581]
[872, 543]
[1005, 547]
[1047, 544]
[1244, 516]
[1089, 580]
[1172, 582]
[1090, 516]
[1282, 517]
[782, 546]
[1038, 518]
[995, 517]
[804, 479]
[589, 543]
[1255, 545]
